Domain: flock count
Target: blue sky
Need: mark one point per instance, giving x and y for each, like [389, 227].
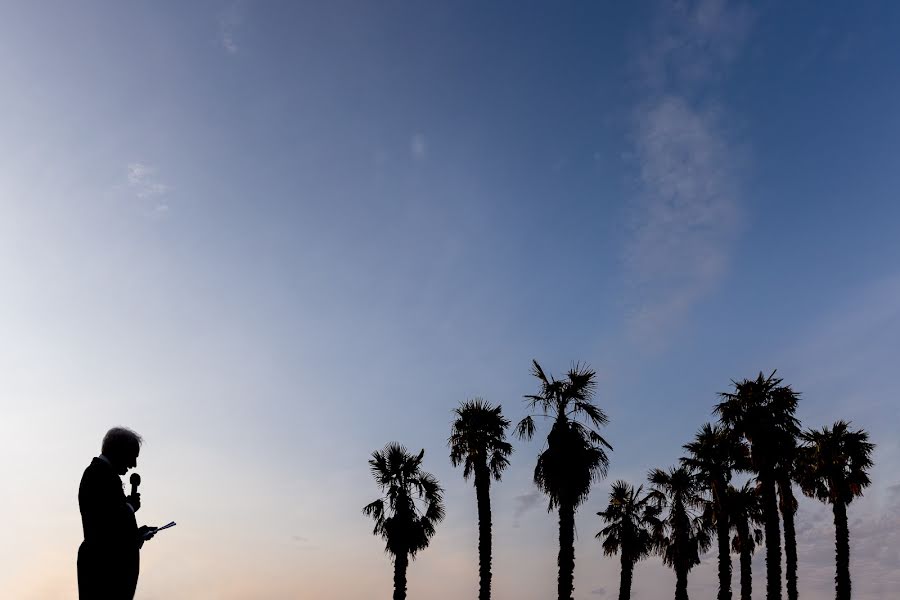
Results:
[272, 237]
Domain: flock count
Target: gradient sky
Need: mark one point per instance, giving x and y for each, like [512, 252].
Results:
[273, 236]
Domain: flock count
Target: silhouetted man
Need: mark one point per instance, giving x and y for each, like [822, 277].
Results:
[109, 557]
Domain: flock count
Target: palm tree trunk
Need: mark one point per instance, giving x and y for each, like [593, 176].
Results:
[566, 560]
[680, 528]
[625, 581]
[746, 564]
[723, 529]
[482, 495]
[786, 504]
[841, 552]
[773, 537]
[681, 578]
[401, 561]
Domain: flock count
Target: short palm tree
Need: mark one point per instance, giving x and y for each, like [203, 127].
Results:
[746, 518]
[713, 456]
[478, 442]
[410, 507]
[684, 535]
[632, 522]
[574, 456]
[761, 411]
[834, 465]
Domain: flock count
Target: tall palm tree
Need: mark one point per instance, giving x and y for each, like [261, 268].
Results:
[574, 456]
[834, 469]
[746, 518]
[762, 411]
[684, 535]
[632, 522]
[410, 507]
[478, 442]
[713, 456]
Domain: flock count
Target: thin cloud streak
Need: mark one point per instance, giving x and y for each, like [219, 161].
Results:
[142, 178]
[146, 185]
[688, 209]
[687, 206]
[525, 503]
[418, 147]
[229, 21]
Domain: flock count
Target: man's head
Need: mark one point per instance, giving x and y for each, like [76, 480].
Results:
[121, 446]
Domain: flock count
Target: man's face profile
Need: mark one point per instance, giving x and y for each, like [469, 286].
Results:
[121, 463]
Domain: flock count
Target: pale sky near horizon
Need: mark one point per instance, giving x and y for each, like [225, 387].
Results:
[273, 236]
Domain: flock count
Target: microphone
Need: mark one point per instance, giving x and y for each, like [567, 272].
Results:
[135, 482]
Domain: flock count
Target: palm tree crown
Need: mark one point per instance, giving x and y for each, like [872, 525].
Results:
[632, 519]
[478, 437]
[762, 411]
[713, 455]
[835, 463]
[575, 455]
[746, 517]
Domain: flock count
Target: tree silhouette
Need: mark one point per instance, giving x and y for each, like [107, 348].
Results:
[410, 507]
[787, 505]
[834, 466]
[574, 456]
[746, 517]
[632, 522]
[478, 442]
[684, 534]
[762, 412]
[713, 456]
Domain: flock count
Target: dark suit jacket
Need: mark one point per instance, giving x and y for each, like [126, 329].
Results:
[109, 557]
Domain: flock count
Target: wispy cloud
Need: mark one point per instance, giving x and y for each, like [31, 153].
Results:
[418, 146]
[229, 21]
[144, 181]
[524, 504]
[693, 43]
[688, 198]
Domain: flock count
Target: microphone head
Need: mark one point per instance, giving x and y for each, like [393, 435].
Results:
[135, 480]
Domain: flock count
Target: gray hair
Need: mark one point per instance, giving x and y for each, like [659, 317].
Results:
[121, 441]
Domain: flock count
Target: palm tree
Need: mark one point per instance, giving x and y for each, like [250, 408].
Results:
[410, 507]
[478, 442]
[683, 536]
[746, 516]
[632, 524]
[762, 412]
[713, 455]
[574, 457]
[834, 469]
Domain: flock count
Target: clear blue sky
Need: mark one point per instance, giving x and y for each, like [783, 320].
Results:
[273, 236]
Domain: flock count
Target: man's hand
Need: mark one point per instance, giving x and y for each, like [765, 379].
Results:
[134, 500]
[145, 533]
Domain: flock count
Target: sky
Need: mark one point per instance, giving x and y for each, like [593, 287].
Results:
[272, 237]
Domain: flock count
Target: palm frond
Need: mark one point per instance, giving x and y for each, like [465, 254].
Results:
[525, 428]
